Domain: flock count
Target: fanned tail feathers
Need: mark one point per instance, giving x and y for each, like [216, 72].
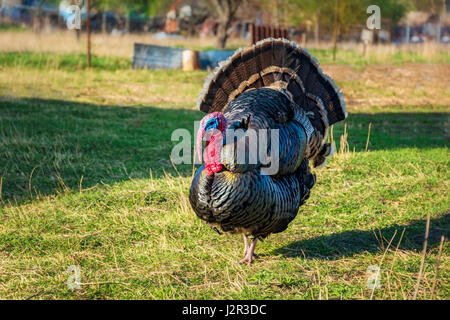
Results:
[282, 65]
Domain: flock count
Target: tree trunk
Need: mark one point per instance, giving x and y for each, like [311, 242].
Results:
[408, 31]
[225, 11]
[59, 21]
[36, 18]
[335, 29]
[127, 23]
[304, 38]
[317, 28]
[47, 23]
[335, 39]
[222, 34]
[104, 22]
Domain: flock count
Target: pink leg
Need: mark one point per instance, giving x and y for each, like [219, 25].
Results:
[250, 255]
[245, 244]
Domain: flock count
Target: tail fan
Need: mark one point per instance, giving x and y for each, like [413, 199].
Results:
[274, 62]
[279, 64]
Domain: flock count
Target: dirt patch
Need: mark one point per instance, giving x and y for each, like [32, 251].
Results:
[409, 84]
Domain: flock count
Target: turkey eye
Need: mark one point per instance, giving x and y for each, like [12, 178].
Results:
[211, 124]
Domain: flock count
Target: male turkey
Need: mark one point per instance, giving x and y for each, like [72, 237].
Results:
[272, 85]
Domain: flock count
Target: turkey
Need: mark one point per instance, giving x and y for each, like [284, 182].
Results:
[273, 86]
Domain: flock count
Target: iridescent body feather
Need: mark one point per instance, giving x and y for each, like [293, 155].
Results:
[271, 85]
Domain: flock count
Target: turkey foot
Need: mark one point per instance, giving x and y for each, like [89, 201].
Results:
[249, 251]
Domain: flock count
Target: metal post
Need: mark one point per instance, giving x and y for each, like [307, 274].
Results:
[408, 31]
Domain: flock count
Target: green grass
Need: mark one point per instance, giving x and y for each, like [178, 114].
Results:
[73, 61]
[12, 27]
[356, 59]
[86, 180]
[77, 61]
[83, 141]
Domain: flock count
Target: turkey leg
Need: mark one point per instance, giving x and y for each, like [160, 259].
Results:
[245, 244]
[250, 252]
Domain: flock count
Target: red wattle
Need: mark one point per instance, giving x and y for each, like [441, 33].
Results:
[214, 138]
[208, 170]
[216, 167]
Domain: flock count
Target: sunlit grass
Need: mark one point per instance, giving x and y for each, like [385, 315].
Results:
[86, 179]
[106, 45]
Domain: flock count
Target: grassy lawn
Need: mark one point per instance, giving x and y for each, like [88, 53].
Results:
[85, 179]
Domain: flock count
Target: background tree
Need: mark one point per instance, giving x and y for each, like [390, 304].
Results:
[37, 12]
[225, 12]
[433, 6]
[104, 6]
[308, 12]
[124, 8]
[338, 17]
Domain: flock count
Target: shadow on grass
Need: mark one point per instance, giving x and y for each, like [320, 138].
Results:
[49, 145]
[349, 243]
[395, 130]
